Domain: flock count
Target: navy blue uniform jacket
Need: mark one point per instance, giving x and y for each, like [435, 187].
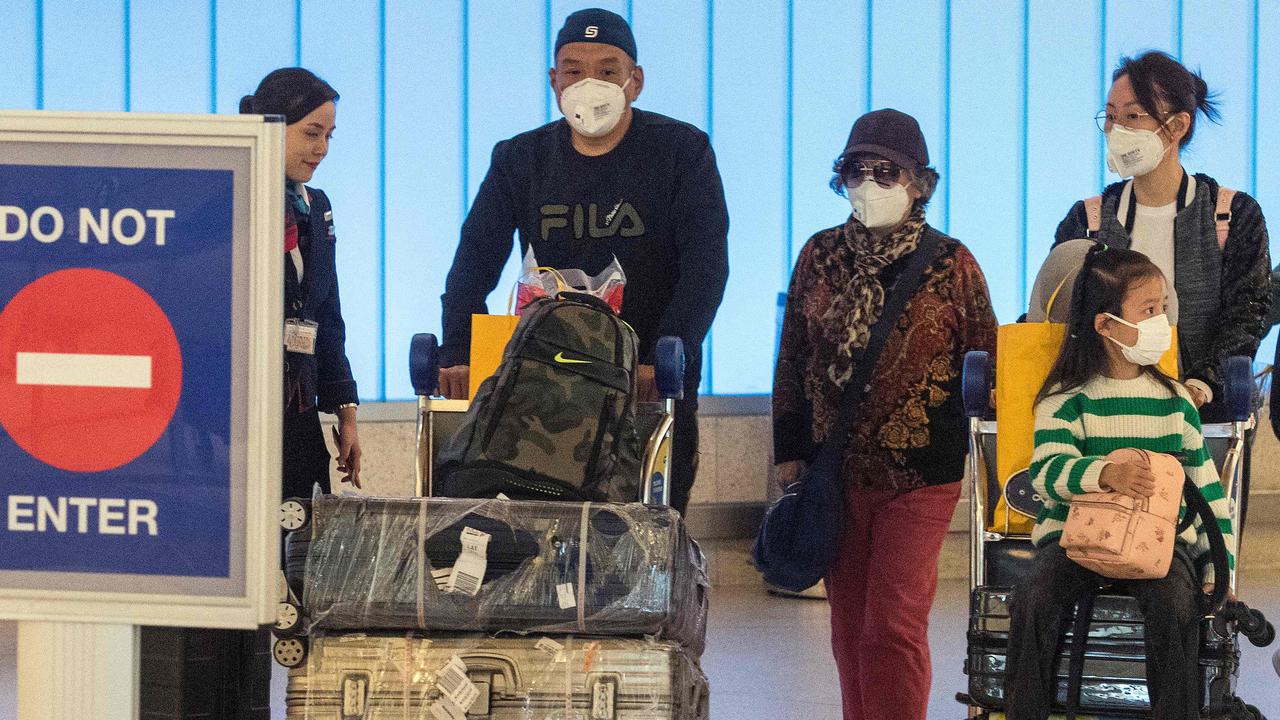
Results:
[323, 379]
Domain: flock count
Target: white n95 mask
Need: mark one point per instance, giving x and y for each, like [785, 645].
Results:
[1155, 336]
[1132, 153]
[878, 207]
[593, 107]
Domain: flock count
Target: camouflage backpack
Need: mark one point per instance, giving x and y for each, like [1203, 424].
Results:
[557, 420]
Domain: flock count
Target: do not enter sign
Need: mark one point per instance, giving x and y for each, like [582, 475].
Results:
[90, 370]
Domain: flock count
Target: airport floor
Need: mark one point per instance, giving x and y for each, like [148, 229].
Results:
[768, 658]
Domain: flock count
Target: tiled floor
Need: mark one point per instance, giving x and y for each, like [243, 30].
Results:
[768, 658]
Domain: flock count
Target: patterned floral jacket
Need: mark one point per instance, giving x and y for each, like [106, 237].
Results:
[912, 432]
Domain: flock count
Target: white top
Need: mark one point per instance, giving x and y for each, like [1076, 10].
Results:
[1153, 236]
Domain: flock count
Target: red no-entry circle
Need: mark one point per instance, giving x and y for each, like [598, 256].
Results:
[90, 370]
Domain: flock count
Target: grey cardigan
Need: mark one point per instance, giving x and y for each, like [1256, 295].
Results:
[1224, 295]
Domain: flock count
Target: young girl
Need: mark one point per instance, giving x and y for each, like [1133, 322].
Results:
[1104, 393]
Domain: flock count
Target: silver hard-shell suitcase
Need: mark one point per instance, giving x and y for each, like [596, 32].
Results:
[381, 677]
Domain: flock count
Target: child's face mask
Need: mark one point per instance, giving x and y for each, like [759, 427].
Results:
[1155, 336]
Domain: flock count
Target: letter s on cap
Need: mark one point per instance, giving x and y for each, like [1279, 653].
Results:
[592, 31]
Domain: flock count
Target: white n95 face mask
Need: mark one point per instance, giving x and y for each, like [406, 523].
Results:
[878, 207]
[1132, 153]
[1155, 336]
[593, 107]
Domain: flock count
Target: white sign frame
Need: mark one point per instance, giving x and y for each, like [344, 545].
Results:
[261, 405]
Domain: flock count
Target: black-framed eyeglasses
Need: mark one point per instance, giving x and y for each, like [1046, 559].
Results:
[884, 173]
[1127, 118]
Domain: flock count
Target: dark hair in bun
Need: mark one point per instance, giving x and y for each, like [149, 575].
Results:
[291, 92]
[1159, 80]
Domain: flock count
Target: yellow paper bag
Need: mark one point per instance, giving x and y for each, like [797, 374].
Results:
[489, 337]
[1025, 353]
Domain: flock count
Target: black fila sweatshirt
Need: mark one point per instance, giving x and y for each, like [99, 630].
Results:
[655, 201]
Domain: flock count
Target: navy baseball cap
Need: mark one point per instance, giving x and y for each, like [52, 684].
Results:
[596, 25]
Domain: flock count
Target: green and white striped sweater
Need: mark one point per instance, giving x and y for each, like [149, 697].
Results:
[1076, 429]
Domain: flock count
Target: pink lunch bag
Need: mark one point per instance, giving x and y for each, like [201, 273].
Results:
[1120, 537]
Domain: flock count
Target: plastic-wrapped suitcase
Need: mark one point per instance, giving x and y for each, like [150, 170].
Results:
[385, 677]
[594, 568]
[1114, 679]
[203, 674]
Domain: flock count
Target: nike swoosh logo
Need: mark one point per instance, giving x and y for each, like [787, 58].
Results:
[560, 358]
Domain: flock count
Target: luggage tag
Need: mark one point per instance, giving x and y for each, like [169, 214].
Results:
[468, 571]
[566, 596]
[552, 648]
[459, 692]
[300, 336]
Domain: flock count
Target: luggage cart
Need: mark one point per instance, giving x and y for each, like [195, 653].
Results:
[437, 420]
[1114, 681]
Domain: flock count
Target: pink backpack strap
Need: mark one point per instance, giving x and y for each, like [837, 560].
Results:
[1222, 214]
[1093, 214]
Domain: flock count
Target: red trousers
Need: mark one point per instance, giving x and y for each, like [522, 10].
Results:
[880, 589]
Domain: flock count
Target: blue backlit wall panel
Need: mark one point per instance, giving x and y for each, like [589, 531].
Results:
[1064, 147]
[749, 130]
[828, 81]
[253, 38]
[673, 39]
[354, 177]
[82, 47]
[1005, 93]
[984, 206]
[18, 40]
[1221, 45]
[163, 29]
[424, 163]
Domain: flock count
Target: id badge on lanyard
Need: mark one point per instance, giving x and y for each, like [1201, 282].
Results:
[300, 336]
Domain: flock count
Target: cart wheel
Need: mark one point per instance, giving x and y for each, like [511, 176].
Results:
[1238, 387]
[290, 652]
[669, 366]
[1245, 711]
[1240, 710]
[288, 619]
[424, 364]
[975, 383]
[1264, 637]
[1253, 625]
[295, 514]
